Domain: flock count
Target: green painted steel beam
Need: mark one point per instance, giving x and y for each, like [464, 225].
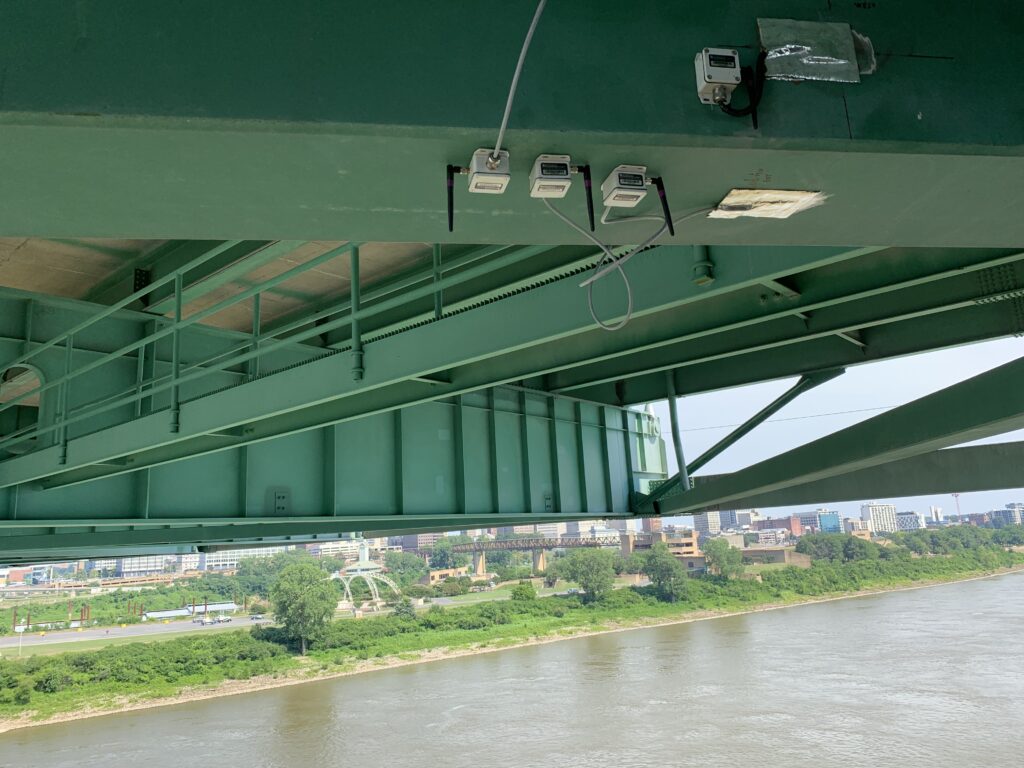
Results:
[231, 266]
[986, 405]
[472, 350]
[947, 329]
[231, 534]
[681, 481]
[952, 470]
[882, 287]
[191, 142]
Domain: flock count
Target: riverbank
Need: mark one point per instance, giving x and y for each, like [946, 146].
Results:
[320, 667]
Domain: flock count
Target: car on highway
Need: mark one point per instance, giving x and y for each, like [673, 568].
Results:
[222, 619]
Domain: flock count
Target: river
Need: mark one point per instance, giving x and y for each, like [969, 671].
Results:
[931, 677]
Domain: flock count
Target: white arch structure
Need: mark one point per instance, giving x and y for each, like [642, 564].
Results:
[371, 580]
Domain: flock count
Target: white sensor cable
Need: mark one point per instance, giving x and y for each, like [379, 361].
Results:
[607, 255]
[515, 79]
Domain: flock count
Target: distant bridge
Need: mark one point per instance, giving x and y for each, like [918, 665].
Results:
[538, 546]
[502, 545]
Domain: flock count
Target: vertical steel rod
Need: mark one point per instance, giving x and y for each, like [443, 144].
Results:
[254, 363]
[65, 391]
[438, 294]
[677, 439]
[176, 355]
[357, 342]
[140, 376]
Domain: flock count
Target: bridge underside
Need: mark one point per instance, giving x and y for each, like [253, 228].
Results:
[232, 310]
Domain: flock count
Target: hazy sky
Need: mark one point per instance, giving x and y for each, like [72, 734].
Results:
[706, 418]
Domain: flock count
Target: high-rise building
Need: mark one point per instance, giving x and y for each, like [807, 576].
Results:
[809, 521]
[727, 518]
[935, 514]
[1009, 515]
[881, 518]
[747, 517]
[421, 541]
[707, 524]
[791, 524]
[829, 521]
[650, 524]
[909, 521]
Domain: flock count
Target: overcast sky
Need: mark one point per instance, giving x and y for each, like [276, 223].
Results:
[707, 418]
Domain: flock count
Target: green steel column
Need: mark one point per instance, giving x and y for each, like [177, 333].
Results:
[176, 354]
[357, 342]
[677, 438]
[438, 294]
[29, 315]
[525, 455]
[460, 456]
[398, 461]
[65, 391]
[581, 464]
[492, 430]
[254, 363]
[556, 486]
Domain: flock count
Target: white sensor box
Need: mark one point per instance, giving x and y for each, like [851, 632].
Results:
[625, 186]
[551, 176]
[485, 179]
[718, 74]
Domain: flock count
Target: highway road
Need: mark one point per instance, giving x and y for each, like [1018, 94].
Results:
[146, 630]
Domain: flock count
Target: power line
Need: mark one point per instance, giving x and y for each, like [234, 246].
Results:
[796, 418]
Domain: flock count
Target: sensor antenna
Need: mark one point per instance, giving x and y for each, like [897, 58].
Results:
[660, 186]
[587, 188]
[450, 179]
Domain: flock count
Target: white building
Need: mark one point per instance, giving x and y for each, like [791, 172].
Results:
[551, 530]
[881, 518]
[188, 562]
[772, 537]
[910, 521]
[1011, 514]
[347, 549]
[935, 514]
[851, 524]
[228, 559]
[145, 565]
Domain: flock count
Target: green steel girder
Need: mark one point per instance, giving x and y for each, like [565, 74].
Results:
[986, 405]
[838, 299]
[491, 458]
[462, 353]
[783, 360]
[189, 140]
[952, 470]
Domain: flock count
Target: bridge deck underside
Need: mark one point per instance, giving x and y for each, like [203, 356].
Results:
[378, 372]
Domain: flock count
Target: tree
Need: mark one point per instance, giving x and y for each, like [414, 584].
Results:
[442, 557]
[404, 609]
[722, 558]
[665, 572]
[592, 569]
[304, 600]
[406, 567]
[524, 591]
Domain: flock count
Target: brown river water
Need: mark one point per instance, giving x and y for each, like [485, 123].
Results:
[931, 677]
